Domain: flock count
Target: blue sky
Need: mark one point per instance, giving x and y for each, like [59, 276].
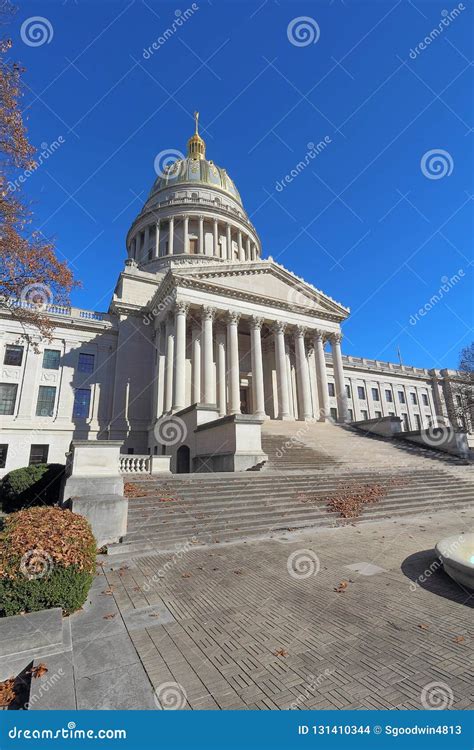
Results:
[363, 221]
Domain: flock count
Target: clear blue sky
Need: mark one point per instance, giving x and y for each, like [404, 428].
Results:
[362, 222]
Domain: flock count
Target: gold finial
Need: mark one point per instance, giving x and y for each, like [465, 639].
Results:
[196, 145]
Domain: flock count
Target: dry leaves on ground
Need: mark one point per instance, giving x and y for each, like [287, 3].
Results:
[109, 616]
[280, 652]
[340, 589]
[7, 692]
[38, 671]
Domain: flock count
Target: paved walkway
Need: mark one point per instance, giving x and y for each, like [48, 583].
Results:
[339, 618]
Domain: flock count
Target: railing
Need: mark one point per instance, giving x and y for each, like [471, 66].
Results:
[134, 464]
[70, 312]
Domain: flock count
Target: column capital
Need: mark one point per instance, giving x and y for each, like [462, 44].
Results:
[278, 326]
[300, 332]
[232, 317]
[319, 335]
[256, 322]
[335, 338]
[208, 312]
[181, 306]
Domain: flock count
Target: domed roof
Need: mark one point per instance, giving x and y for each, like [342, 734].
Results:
[196, 170]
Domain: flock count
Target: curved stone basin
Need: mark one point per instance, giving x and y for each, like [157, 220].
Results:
[457, 556]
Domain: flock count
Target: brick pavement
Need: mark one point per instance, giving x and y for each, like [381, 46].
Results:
[241, 627]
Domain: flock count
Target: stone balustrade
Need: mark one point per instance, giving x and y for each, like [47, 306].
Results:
[135, 464]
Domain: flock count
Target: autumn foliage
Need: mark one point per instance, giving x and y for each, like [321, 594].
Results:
[30, 271]
[47, 559]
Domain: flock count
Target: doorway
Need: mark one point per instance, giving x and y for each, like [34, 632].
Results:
[183, 460]
[244, 400]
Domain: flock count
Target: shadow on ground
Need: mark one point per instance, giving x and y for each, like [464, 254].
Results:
[426, 571]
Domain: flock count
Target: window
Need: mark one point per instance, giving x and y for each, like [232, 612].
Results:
[375, 394]
[424, 398]
[193, 245]
[82, 400]
[413, 398]
[86, 363]
[51, 359]
[39, 454]
[46, 399]
[378, 415]
[130, 451]
[401, 397]
[13, 355]
[334, 414]
[391, 414]
[406, 423]
[331, 390]
[458, 400]
[7, 397]
[388, 395]
[361, 392]
[3, 455]
[364, 414]
[348, 391]
[417, 421]
[351, 415]
[150, 254]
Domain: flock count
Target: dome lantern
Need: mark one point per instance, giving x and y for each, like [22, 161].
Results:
[196, 145]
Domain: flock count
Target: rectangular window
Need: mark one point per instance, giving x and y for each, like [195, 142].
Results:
[348, 391]
[458, 400]
[334, 414]
[331, 390]
[413, 398]
[424, 398]
[7, 398]
[361, 392]
[406, 422]
[86, 363]
[3, 455]
[193, 246]
[51, 359]
[351, 415]
[46, 399]
[388, 395]
[39, 454]
[378, 415]
[364, 414]
[375, 394]
[82, 400]
[391, 414]
[401, 397]
[13, 355]
[417, 421]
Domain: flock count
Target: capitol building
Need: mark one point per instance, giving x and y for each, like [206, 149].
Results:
[203, 342]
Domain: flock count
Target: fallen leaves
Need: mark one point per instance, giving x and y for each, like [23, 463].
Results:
[110, 616]
[459, 639]
[38, 671]
[186, 575]
[341, 588]
[351, 498]
[280, 652]
[7, 692]
[423, 626]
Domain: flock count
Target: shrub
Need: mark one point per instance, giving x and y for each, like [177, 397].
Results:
[31, 485]
[47, 559]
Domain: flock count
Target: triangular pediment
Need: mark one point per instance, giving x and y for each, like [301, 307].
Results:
[263, 281]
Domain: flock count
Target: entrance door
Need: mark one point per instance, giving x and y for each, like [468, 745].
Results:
[182, 460]
[244, 400]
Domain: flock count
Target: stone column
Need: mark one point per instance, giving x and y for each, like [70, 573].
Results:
[248, 251]
[216, 237]
[169, 363]
[157, 239]
[302, 374]
[228, 243]
[196, 366]
[207, 374]
[282, 376]
[201, 234]
[171, 236]
[146, 244]
[186, 235]
[221, 372]
[257, 366]
[160, 371]
[241, 247]
[341, 396]
[234, 364]
[322, 377]
[181, 310]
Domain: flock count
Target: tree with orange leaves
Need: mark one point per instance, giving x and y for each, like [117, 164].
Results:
[31, 275]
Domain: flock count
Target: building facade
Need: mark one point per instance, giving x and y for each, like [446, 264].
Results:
[197, 317]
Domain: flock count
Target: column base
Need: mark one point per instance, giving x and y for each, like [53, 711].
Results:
[286, 418]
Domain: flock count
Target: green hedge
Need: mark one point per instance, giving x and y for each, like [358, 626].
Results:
[31, 485]
[47, 559]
